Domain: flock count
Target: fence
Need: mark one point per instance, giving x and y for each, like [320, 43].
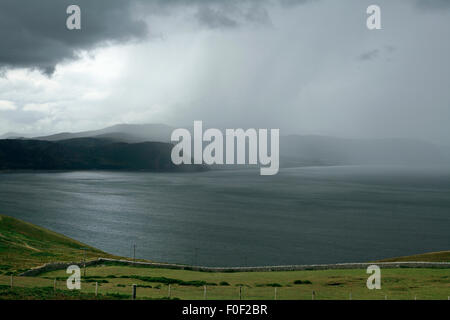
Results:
[129, 290]
[125, 288]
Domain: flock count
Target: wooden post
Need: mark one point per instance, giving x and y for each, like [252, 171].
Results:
[275, 297]
[385, 297]
[350, 296]
[134, 292]
[169, 291]
[11, 281]
[96, 288]
[415, 297]
[54, 284]
[134, 253]
[204, 292]
[313, 295]
[240, 292]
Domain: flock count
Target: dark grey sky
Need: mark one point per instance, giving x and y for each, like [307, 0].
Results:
[308, 67]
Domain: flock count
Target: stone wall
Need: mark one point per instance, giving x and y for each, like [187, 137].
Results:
[60, 266]
[57, 266]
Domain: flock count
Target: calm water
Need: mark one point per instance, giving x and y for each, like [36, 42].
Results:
[300, 216]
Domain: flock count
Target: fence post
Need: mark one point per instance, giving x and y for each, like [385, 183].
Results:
[275, 297]
[54, 284]
[11, 281]
[313, 295]
[385, 297]
[204, 292]
[240, 292]
[134, 292]
[96, 288]
[350, 296]
[169, 291]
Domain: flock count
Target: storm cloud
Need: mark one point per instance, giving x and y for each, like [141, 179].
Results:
[305, 67]
[33, 33]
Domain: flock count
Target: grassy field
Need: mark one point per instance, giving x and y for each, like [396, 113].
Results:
[116, 281]
[23, 246]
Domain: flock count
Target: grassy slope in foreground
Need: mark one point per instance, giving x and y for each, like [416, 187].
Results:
[115, 281]
[441, 256]
[24, 245]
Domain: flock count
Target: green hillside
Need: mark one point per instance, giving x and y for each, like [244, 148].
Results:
[24, 245]
[89, 154]
[441, 256]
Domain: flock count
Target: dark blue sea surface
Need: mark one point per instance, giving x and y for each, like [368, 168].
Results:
[230, 218]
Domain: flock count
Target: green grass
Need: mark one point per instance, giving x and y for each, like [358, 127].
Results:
[24, 245]
[441, 256]
[48, 293]
[399, 284]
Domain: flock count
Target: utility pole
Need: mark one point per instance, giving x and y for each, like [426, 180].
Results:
[84, 264]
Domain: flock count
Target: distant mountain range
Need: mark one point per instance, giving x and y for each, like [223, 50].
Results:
[148, 147]
[131, 133]
[14, 135]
